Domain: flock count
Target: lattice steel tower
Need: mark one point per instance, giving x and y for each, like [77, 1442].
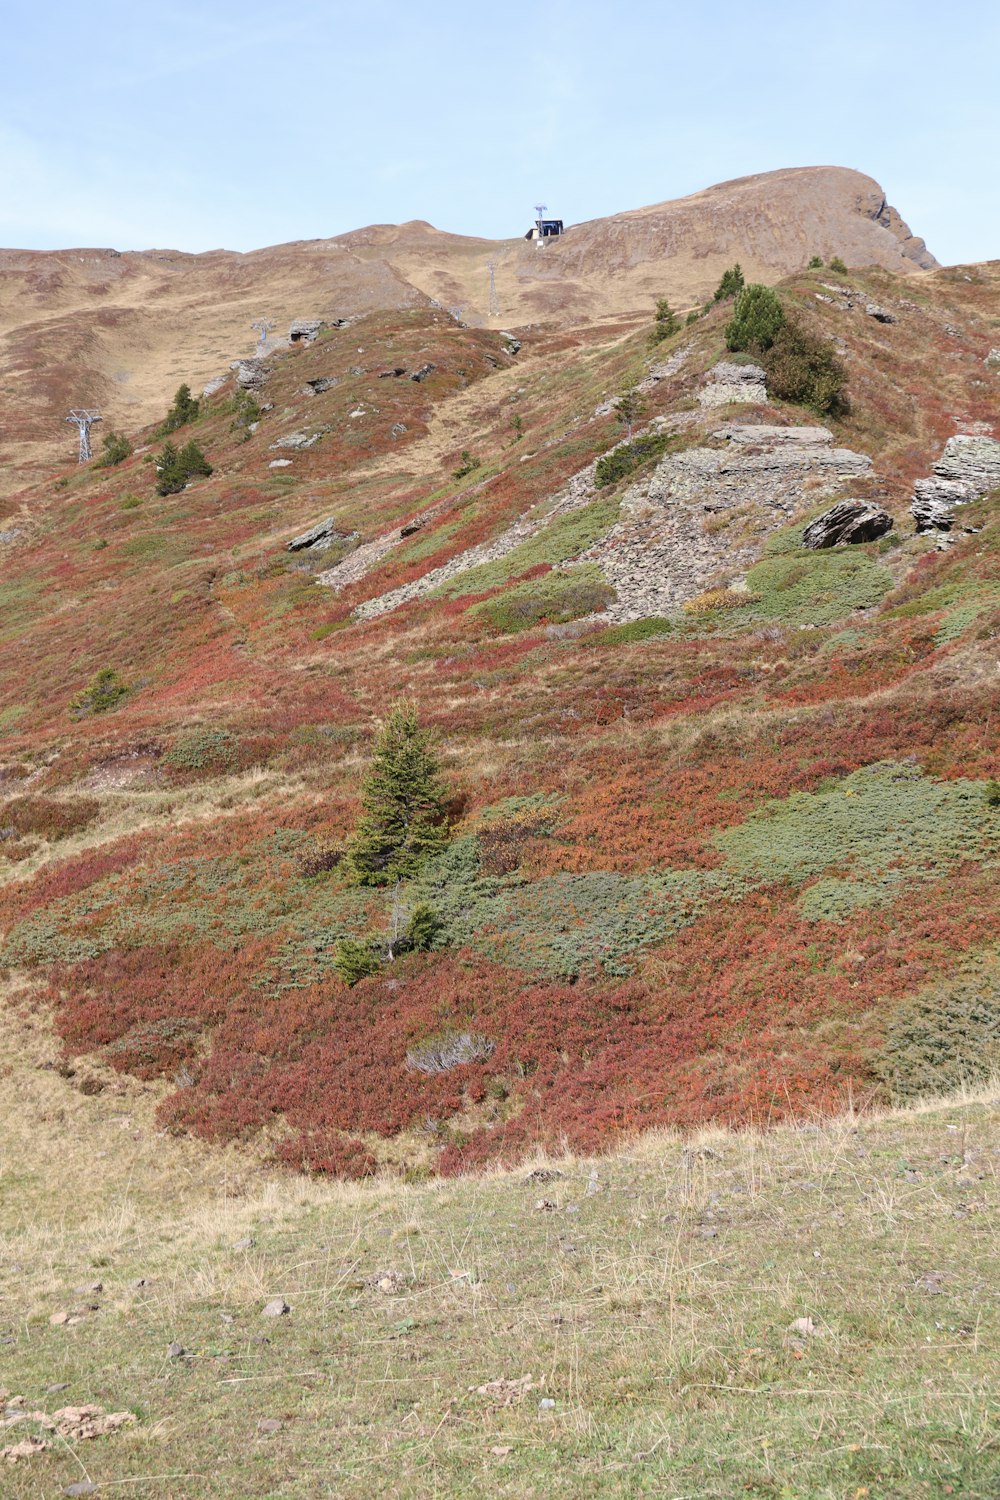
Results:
[84, 421]
[262, 327]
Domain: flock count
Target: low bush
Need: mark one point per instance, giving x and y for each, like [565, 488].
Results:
[174, 468]
[628, 457]
[355, 959]
[634, 630]
[943, 1037]
[202, 749]
[117, 449]
[105, 691]
[805, 369]
[838, 265]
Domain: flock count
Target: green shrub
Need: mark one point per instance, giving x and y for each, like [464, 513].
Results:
[732, 283]
[185, 408]
[815, 264]
[634, 630]
[803, 368]
[992, 792]
[423, 928]
[944, 1037]
[665, 324]
[355, 959]
[757, 318]
[554, 598]
[837, 265]
[692, 316]
[116, 449]
[105, 691]
[202, 749]
[611, 467]
[131, 502]
[469, 465]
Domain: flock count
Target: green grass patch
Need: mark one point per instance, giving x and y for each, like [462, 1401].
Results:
[554, 598]
[632, 632]
[563, 538]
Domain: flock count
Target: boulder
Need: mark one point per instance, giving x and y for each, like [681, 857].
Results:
[250, 373]
[423, 372]
[319, 385]
[729, 384]
[850, 521]
[319, 537]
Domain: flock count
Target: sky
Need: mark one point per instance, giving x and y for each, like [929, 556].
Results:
[218, 124]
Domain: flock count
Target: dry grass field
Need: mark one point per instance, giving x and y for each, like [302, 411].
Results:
[807, 1313]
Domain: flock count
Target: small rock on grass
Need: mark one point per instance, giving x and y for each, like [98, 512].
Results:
[176, 1351]
[276, 1308]
[269, 1425]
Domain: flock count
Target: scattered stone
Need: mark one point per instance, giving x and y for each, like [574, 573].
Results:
[27, 1448]
[319, 385]
[248, 1241]
[506, 1392]
[397, 429]
[423, 372]
[319, 538]
[880, 314]
[545, 1206]
[89, 1288]
[544, 1174]
[849, 522]
[280, 463]
[139, 1283]
[299, 440]
[992, 360]
[176, 1351]
[511, 345]
[214, 385]
[412, 526]
[276, 1308]
[390, 1283]
[85, 1422]
[10, 535]
[546, 1404]
[269, 1425]
[54, 1390]
[396, 371]
[804, 1327]
[81, 1487]
[758, 435]
[59, 1319]
[932, 1283]
[968, 468]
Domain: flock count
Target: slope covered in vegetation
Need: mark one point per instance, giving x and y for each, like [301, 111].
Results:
[718, 857]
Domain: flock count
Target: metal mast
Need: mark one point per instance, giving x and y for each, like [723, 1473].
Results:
[84, 420]
[491, 266]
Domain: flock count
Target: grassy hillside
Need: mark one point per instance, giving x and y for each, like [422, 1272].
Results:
[723, 864]
[806, 1313]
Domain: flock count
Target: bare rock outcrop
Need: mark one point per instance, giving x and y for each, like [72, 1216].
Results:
[968, 468]
[730, 384]
[704, 514]
[850, 521]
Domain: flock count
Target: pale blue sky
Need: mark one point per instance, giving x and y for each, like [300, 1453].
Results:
[238, 123]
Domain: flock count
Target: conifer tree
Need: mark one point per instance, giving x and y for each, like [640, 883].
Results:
[731, 285]
[402, 805]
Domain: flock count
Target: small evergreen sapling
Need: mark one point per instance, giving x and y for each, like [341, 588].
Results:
[402, 805]
[731, 285]
[666, 322]
[184, 410]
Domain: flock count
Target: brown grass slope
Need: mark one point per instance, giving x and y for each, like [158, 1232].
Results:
[97, 328]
